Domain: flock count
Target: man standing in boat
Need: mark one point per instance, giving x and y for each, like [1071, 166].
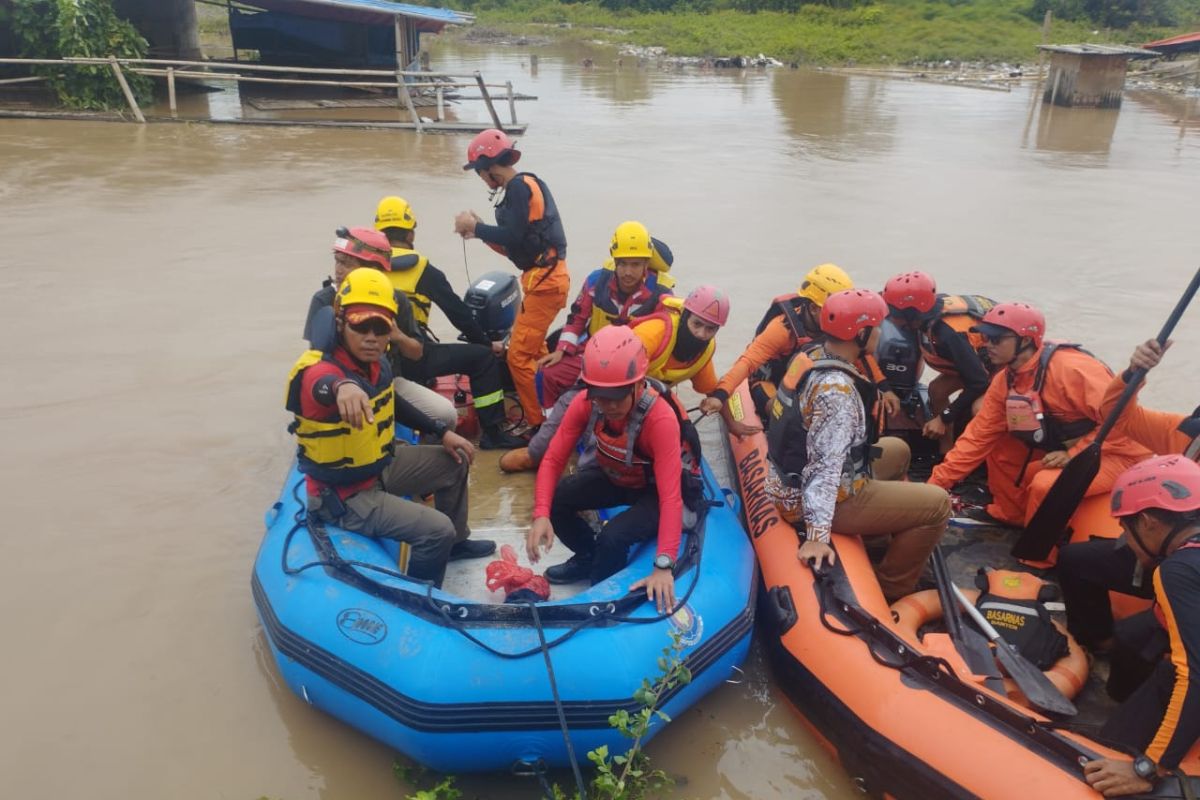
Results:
[608, 297]
[647, 458]
[1158, 504]
[1041, 408]
[679, 342]
[792, 322]
[345, 411]
[943, 324]
[829, 468]
[426, 286]
[529, 232]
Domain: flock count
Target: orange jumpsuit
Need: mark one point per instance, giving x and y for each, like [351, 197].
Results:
[1156, 430]
[1073, 390]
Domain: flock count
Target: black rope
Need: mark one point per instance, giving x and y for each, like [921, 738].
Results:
[558, 704]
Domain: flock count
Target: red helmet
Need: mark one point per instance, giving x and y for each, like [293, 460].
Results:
[491, 147]
[911, 290]
[709, 304]
[365, 243]
[1020, 318]
[846, 313]
[614, 357]
[1170, 483]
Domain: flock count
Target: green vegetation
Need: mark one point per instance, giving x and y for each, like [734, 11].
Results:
[891, 31]
[78, 28]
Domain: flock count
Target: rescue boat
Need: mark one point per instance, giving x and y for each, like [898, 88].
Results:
[461, 686]
[904, 715]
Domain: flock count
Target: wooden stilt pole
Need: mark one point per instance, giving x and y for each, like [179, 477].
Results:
[441, 104]
[401, 86]
[129, 98]
[512, 103]
[171, 90]
[487, 101]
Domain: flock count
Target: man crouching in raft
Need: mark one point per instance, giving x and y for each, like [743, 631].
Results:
[638, 426]
[829, 468]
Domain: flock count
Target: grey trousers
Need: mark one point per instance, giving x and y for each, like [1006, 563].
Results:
[427, 401]
[426, 534]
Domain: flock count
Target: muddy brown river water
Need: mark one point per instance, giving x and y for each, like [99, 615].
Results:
[156, 280]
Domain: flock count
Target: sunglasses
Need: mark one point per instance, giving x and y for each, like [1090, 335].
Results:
[373, 325]
[607, 394]
[996, 339]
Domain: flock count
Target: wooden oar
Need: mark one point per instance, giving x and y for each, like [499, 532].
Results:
[1050, 520]
[969, 643]
[1033, 683]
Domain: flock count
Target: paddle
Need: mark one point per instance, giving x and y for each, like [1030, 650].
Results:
[1033, 683]
[969, 643]
[1050, 520]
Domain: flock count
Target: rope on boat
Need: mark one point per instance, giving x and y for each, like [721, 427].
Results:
[558, 704]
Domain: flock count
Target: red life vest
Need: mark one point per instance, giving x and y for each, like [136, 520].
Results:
[618, 454]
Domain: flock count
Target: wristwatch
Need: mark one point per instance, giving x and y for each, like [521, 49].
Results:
[664, 561]
[1145, 769]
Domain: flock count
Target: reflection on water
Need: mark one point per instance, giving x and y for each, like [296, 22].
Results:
[144, 437]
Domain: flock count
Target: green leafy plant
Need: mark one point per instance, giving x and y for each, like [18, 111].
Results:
[414, 776]
[80, 28]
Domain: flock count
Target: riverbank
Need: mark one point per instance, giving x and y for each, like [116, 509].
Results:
[919, 32]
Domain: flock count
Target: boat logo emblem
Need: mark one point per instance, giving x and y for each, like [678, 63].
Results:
[689, 624]
[362, 626]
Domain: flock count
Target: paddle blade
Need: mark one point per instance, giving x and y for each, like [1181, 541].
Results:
[1050, 520]
[1037, 688]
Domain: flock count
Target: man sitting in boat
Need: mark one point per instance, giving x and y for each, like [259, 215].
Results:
[640, 462]
[680, 340]
[1158, 504]
[426, 286]
[364, 247]
[829, 468]
[943, 324]
[608, 297]
[1040, 409]
[346, 409]
[791, 322]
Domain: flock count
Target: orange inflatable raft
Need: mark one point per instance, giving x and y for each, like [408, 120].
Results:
[905, 717]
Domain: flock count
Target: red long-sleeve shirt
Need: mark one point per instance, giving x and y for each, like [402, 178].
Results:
[658, 440]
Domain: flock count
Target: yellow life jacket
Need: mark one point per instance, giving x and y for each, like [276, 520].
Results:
[332, 451]
[671, 314]
[407, 268]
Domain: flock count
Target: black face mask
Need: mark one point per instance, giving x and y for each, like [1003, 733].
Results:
[687, 346]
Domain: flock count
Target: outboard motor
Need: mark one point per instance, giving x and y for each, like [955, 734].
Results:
[899, 356]
[493, 300]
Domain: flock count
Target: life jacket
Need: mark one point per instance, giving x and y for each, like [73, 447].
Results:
[961, 312]
[671, 314]
[609, 309]
[899, 356]
[788, 306]
[661, 259]
[407, 268]
[625, 465]
[331, 451]
[1027, 417]
[544, 243]
[1191, 427]
[1015, 604]
[787, 433]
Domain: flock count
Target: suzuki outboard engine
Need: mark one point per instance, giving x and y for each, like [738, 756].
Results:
[493, 300]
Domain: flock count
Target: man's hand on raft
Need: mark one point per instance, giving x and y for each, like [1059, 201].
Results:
[814, 553]
[539, 537]
[660, 588]
[934, 429]
[890, 402]
[713, 405]
[1147, 354]
[353, 405]
[1114, 777]
[458, 447]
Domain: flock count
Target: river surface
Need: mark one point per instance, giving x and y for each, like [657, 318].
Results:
[157, 279]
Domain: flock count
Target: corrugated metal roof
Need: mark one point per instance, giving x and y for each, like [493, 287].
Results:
[1098, 50]
[369, 12]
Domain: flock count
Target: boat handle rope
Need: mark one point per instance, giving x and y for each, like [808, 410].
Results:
[558, 703]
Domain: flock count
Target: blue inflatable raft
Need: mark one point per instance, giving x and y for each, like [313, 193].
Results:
[464, 686]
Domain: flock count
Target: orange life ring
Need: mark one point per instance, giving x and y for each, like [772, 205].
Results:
[1068, 674]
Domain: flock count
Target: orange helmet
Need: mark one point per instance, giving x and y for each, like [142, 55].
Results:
[1019, 318]
[847, 313]
[614, 358]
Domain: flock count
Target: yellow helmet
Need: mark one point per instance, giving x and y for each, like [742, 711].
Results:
[367, 287]
[822, 281]
[631, 240]
[394, 212]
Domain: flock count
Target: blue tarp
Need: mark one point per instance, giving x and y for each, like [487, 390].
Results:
[367, 12]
